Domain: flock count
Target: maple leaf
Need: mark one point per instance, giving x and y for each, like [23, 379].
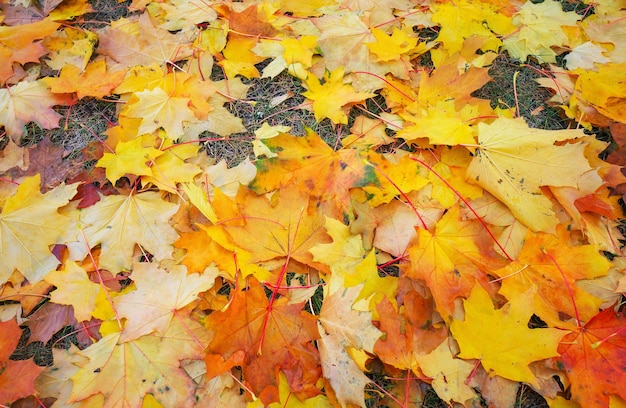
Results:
[70, 46]
[51, 162]
[409, 333]
[449, 375]
[170, 168]
[132, 42]
[608, 96]
[343, 41]
[19, 45]
[366, 132]
[55, 381]
[21, 290]
[118, 222]
[449, 82]
[263, 340]
[313, 166]
[548, 262]
[94, 81]
[131, 157]
[73, 287]
[347, 258]
[346, 250]
[227, 180]
[159, 294]
[26, 102]
[330, 97]
[49, 319]
[124, 373]
[466, 19]
[541, 30]
[157, 109]
[341, 327]
[451, 260]
[287, 400]
[16, 377]
[25, 241]
[398, 177]
[176, 15]
[501, 339]
[285, 227]
[592, 357]
[391, 47]
[69, 9]
[441, 124]
[249, 20]
[238, 57]
[505, 150]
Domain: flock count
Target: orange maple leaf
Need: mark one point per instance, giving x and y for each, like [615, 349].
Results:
[284, 228]
[593, 357]
[19, 44]
[312, 165]
[451, 259]
[263, 340]
[16, 377]
[408, 333]
[93, 81]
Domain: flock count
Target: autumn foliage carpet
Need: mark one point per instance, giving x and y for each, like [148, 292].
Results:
[421, 235]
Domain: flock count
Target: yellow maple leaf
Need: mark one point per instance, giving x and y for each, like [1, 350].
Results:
[158, 109]
[344, 253]
[69, 9]
[70, 46]
[541, 28]
[501, 339]
[392, 47]
[332, 95]
[238, 57]
[604, 90]
[449, 374]
[132, 157]
[118, 222]
[29, 225]
[441, 124]
[464, 19]
[73, 287]
[125, 372]
[507, 149]
[170, 168]
[159, 294]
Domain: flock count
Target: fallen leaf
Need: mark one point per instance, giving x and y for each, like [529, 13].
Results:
[507, 148]
[25, 371]
[263, 340]
[501, 339]
[159, 295]
[28, 102]
[341, 327]
[26, 241]
[119, 222]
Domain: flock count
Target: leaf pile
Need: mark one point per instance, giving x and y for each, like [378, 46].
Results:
[442, 242]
